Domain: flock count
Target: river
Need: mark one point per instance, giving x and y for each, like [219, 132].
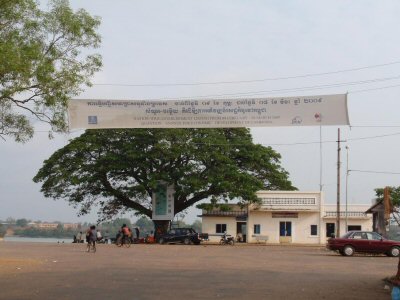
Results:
[35, 240]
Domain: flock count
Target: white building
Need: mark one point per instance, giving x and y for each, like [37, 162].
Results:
[285, 217]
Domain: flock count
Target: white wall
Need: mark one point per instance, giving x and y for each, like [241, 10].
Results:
[301, 226]
[366, 225]
[209, 226]
[301, 229]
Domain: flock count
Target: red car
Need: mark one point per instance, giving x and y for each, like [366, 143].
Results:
[363, 241]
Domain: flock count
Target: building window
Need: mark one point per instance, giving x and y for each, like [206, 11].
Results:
[330, 230]
[353, 227]
[257, 228]
[220, 228]
[314, 230]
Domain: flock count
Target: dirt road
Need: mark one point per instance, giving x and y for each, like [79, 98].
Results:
[66, 271]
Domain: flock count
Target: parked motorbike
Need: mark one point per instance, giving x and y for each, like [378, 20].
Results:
[227, 240]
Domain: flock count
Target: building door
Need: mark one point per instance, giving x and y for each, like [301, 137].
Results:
[241, 231]
[285, 232]
[330, 229]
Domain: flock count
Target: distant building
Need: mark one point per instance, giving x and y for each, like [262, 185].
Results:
[70, 225]
[285, 217]
[47, 225]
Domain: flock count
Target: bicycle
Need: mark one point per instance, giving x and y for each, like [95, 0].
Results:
[123, 241]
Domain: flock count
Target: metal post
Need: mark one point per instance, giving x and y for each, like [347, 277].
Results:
[338, 188]
[320, 156]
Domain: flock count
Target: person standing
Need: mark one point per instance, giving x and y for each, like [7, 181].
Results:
[137, 232]
[91, 237]
[79, 237]
[99, 237]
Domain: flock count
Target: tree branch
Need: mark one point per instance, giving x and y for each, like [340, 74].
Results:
[126, 201]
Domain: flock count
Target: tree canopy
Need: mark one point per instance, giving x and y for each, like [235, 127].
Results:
[41, 63]
[394, 193]
[117, 170]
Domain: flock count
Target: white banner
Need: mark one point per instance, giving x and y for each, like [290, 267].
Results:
[209, 113]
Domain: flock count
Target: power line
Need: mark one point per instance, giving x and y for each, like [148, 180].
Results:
[247, 81]
[375, 126]
[274, 144]
[373, 137]
[308, 143]
[374, 172]
[296, 89]
[375, 89]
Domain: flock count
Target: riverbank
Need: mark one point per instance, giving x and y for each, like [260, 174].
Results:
[36, 239]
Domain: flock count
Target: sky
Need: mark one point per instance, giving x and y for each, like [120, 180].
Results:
[169, 42]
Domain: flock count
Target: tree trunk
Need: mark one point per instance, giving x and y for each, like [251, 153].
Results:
[160, 227]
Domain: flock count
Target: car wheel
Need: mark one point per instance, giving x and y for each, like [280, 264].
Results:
[394, 251]
[348, 250]
[187, 241]
[161, 241]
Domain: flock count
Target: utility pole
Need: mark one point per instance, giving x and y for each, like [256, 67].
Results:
[388, 209]
[347, 182]
[338, 188]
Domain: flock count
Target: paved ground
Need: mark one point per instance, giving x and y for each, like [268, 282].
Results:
[66, 271]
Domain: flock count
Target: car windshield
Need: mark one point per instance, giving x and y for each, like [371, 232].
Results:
[347, 235]
[362, 235]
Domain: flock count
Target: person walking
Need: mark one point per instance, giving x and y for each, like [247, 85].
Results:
[91, 237]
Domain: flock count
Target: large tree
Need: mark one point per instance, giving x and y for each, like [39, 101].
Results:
[117, 170]
[41, 63]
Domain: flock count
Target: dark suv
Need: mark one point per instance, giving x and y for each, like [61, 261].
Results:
[186, 236]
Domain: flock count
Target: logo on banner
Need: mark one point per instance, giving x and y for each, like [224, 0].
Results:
[92, 119]
[297, 120]
[317, 117]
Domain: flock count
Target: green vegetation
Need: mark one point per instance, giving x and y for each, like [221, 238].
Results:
[109, 229]
[59, 232]
[394, 195]
[117, 170]
[3, 230]
[44, 62]
[21, 222]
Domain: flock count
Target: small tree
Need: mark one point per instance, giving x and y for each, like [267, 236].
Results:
[3, 230]
[197, 225]
[145, 224]
[22, 222]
